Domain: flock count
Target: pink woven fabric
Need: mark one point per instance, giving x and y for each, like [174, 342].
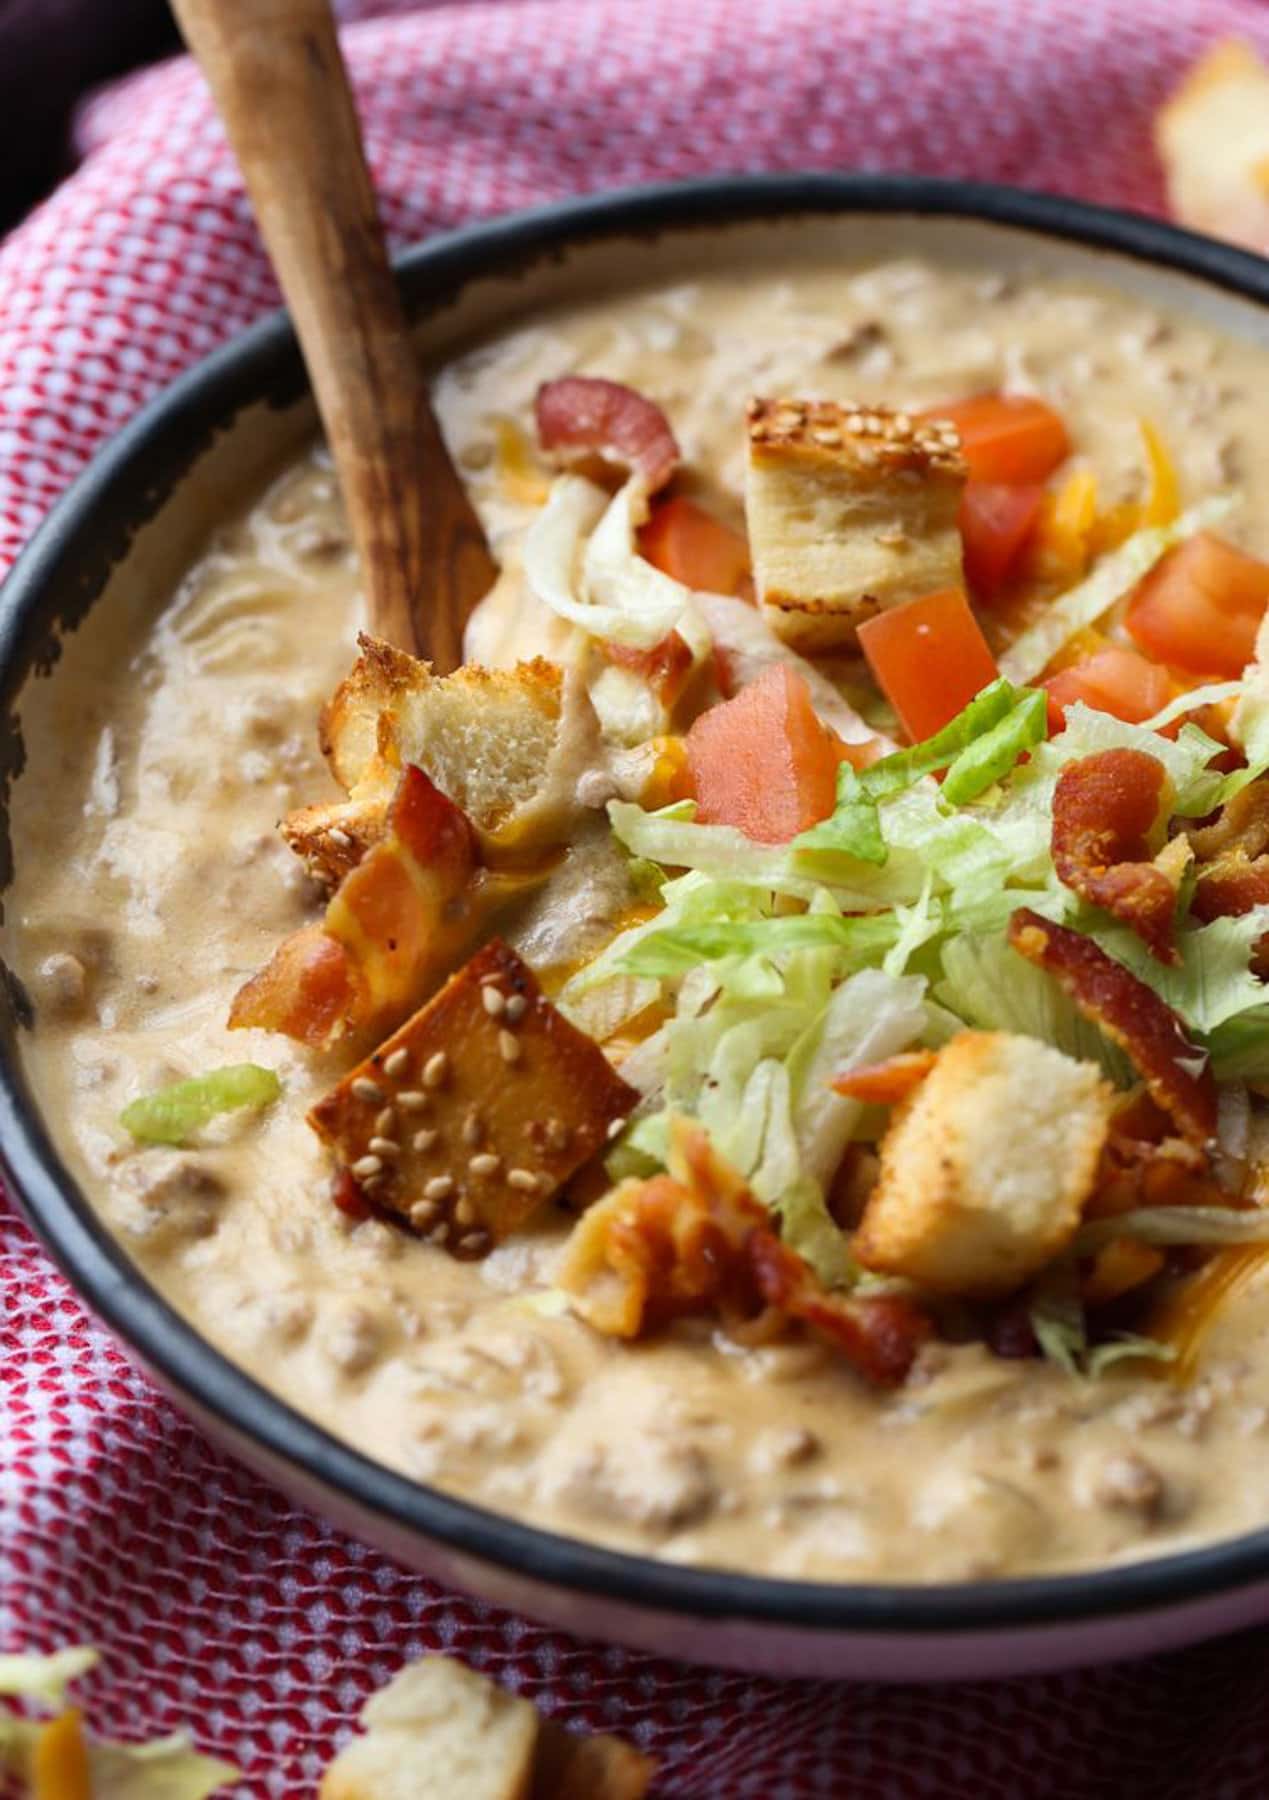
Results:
[215, 1601]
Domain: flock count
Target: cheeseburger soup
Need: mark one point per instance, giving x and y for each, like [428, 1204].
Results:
[774, 1082]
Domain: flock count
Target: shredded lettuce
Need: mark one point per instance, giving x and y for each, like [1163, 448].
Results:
[1126, 1345]
[175, 1113]
[988, 985]
[1031, 653]
[1061, 1330]
[1057, 1317]
[1214, 983]
[977, 748]
[1239, 1047]
[1167, 1225]
[1214, 694]
[165, 1769]
[45, 1679]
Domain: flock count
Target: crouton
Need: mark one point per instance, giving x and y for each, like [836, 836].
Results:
[985, 1170]
[484, 736]
[474, 1114]
[1213, 140]
[572, 1767]
[851, 511]
[438, 1731]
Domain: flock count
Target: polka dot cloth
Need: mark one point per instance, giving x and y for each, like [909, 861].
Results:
[216, 1603]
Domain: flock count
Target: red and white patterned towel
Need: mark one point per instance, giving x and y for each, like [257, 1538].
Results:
[215, 1601]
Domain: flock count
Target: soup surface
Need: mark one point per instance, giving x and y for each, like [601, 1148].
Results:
[152, 882]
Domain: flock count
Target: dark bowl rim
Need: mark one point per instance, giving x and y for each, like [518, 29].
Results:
[262, 360]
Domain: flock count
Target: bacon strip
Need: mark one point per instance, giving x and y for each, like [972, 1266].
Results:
[697, 1241]
[1131, 1015]
[1104, 810]
[1233, 876]
[395, 925]
[587, 413]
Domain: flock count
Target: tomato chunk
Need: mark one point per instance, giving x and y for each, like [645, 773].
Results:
[996, 519]
[1200, 607]
[1008, 437]
[764, 761]
[1115, 680]
[685, 541]
[929, 658]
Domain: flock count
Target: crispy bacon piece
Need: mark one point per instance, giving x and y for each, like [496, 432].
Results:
[1131, 1015]
[304, 990]
[666, 667]
[1105, 808]
[696, 1240]
[879, 1335]
[395, 925]
[886, 1083]
[588, 414]
[1233, 874]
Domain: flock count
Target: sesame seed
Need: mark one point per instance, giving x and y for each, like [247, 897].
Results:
[440, 1234]
[464, 1212]
[616, 1128]
[339, 837]
[485, 1164]
[474, 1242]
[386, 1123]
[517, 1006]
[365, 1089]
[494, 1002]
[473, 1129]
[440, 1187]
[435, 1069]
[424, 1140]
[508, 1047]
[411, 1100]
[423, 1212]
[523, 1179]
[557, 1134]
[382, 1146]
[397, 1064]
[902, 424]
[366, 1166]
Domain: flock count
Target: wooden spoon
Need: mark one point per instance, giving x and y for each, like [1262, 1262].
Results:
[276, 73]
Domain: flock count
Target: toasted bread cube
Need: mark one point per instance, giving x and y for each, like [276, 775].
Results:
[985, 1170]
[572, 1767]
[484, 736]
[438, 1731]
[851, 510]
[472, 1116]
[1213, 141]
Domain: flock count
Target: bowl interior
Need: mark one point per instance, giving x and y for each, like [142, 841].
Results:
[111, 555]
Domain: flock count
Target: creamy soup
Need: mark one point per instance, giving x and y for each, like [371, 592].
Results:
[151, 882]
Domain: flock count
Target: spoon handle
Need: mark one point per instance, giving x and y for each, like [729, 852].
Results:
[278, 78]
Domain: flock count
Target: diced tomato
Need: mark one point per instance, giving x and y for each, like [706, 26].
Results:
[685, 541]
[1008, 437]
[1200, 607]
[930, 658]
[1115, 680]
[764, 762]
[996, 519]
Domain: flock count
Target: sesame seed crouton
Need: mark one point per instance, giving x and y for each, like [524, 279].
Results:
[851, 510]
[473, 1115]
[985, 1170]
